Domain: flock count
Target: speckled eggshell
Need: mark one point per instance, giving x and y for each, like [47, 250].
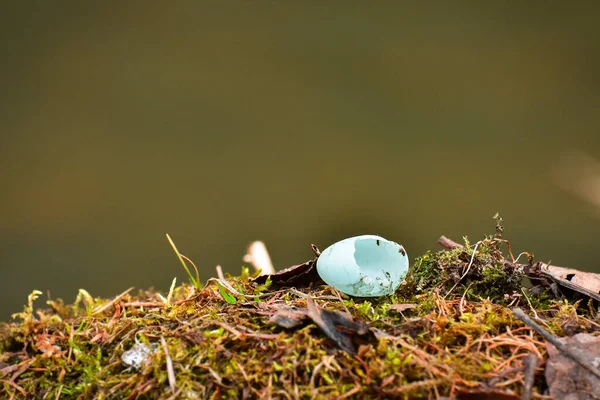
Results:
[364, 266]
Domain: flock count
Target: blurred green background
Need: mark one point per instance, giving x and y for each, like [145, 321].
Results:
[293, 122]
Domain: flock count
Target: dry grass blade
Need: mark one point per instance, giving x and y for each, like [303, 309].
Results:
[106, 306]
[169, 361]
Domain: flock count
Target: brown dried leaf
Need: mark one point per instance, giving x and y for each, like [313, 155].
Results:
[565, 377]
[298, 276]
[337, 326]
[585, 283]
[586, 280]
[288, 318]
[326, 321]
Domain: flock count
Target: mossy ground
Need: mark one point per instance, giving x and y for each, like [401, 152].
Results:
[461, 337]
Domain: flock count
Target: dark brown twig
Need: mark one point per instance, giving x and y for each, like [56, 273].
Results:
[573, 354]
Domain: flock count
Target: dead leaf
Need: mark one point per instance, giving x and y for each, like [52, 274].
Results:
[289, 318]
[585, 283]
[566, 378]
[297, 276]
[337, 326]
[327, 321]
[586, 280]
[402, 307]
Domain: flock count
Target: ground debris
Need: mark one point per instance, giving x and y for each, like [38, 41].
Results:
[566, 378]
[448, 332]
[337, 326]
[289, 318]
[329, 321]
[569, 280]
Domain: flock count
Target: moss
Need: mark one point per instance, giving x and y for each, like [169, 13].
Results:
[460, 335]
[476, 271]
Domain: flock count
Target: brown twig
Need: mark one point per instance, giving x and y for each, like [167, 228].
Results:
[14, 385]
[573, 354]
[449, 243]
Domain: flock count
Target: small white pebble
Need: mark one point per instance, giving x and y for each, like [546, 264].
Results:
[138, 356]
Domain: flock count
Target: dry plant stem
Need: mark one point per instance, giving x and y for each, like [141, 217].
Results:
[14, 385]
[71, 336]
[259, 257]
[176, 394]
[170, 370]
[195, 281]
[228, 286]
[306, 296]
[315, 250]
[220, 272]
[535, 314]
[531, 363]
[575, 355]
[98, 310]
[339, 296]
[58, 392]
[466, 271]
[350, 393]
[193, 265]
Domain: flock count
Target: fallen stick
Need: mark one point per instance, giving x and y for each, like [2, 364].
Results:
[573, 354]
[448, 243]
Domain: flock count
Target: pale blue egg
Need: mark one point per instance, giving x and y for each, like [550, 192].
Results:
[364, 266]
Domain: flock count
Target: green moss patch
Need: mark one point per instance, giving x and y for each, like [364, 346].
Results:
[212, 342]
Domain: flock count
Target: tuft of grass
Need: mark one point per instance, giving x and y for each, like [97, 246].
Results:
[167, 300]
[194, 280]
